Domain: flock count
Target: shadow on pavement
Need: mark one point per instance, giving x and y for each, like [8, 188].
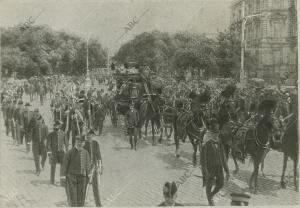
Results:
[40, 182]
[171, 160]
[25, 158]
[122, 148]
[25, 171]
[266, 186]
[18, 149]
[193, 204]
[61, 204]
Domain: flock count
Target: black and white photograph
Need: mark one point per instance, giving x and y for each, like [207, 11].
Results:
[148, 103]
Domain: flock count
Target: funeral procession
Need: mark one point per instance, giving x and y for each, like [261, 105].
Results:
[147, 103]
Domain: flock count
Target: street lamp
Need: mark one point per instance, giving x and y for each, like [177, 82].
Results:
[88, 82]
[243, 74]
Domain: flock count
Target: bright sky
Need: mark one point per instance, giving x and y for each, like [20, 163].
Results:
[106, 19]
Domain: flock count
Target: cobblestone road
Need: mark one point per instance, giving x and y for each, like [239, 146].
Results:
[133, 178]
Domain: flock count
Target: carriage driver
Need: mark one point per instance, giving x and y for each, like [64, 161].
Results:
[131, 123]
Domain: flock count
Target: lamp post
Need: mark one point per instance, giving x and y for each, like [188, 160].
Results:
[88, 83]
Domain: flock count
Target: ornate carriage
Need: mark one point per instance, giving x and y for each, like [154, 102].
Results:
[131, 87]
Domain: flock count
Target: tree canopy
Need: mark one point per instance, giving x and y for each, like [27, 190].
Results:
[41, 50]
[180, 52]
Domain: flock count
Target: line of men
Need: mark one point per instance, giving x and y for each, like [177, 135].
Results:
[80, 165]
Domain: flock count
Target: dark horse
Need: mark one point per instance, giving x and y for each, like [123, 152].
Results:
[290, 148]
[190, 124]
[255, 143]
[149, 111]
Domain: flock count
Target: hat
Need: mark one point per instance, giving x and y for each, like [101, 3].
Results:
[20, 102]
[91, 132]
[36, 110]
[27, 104]
[240, 197]
[15, 101]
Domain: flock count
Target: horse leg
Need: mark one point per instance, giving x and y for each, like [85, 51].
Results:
[146, 127]
[295, 161]
[176, 140]
[152, 126]
[282, 182]
[195, 146]
[263, 162]
[161, 134]
[235, 163]
[256, 169]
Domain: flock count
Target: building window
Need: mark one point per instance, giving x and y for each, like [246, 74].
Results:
[276, 29]
[277, 4]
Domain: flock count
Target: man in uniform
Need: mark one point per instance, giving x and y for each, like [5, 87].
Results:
[38, 132]
[13, 122]
[8, 118]
[93, 149]
[131, 122]
[76, 167]
[57, 146]
[27, 116]
[99, 117]
[19, 124]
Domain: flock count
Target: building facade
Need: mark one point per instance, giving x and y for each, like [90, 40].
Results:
[270, 35]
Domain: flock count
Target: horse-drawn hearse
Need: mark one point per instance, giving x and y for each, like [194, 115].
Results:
[131, 87]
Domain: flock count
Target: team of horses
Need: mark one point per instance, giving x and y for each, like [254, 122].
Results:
[239, 139]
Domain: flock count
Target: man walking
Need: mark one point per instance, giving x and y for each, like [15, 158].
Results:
[38, 132]
[19, 125]
[213, 161]
[92, 146]
[57, 145]
[131, 123]
[99, 118]
[27, 116]
[76, 167]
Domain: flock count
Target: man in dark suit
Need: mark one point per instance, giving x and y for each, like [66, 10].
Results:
[76, 167]
[38, 133]
[19, 122]
[131, 122]
[99, 117]
[213, 161]
[27, 116]
[57, 145]
[93, 149]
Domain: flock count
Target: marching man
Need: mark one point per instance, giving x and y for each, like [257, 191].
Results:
[92, 146]
[76, 167]
[57, 145]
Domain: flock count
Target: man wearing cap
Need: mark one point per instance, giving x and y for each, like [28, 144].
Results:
[92, 146]
[19, 122]
[170, 195]
[131, 122]
[27, 116]
[13, 122]
[76, 167]
[38, 132]
[57, 145]
[99, 118]
[8, 113]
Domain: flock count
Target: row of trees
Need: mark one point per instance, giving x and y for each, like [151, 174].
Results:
[40, 50]
[185, 51]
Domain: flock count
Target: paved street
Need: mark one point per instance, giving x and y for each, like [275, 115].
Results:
[133, 178]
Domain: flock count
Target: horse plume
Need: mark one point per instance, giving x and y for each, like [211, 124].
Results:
[228, 91]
